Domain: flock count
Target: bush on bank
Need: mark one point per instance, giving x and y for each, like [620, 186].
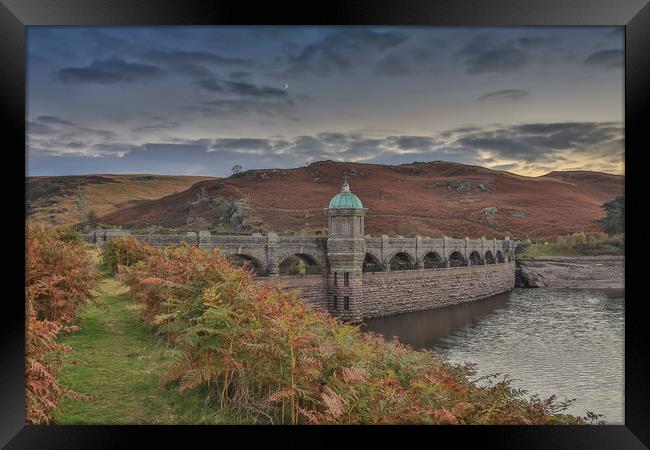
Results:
[60, 278]
[267, 357]
[576, 244]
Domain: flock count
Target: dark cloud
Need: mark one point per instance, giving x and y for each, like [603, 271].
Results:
[413, 142]
[458, 130]
[548, 141]
[487, 54]
[241, 107]
[157, 127]
[251, 90]
[333, 138]
[339, 51]
[477, 45]
[58, 125]
[213, 83]
[105, 43]
[240, 75]
[53, 120]
[505, 94]
[115, 70]
[247, 145]
[528, 146]
[499, 61]
[52, 134]
[536, 42]
[179, 57]
[114, 148]
[393, 65]
[39, 128]
[406, 61]
[607, 59]
[210, 83]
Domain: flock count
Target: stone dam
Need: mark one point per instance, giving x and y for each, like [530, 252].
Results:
[356, 276]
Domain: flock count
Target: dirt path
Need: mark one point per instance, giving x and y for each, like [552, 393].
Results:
[117, 360]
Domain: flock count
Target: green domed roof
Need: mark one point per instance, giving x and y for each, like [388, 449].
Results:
[345, 199]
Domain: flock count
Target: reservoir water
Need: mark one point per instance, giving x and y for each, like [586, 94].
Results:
[550, 341]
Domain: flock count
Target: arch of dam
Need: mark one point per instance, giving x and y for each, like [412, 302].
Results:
[356, 276]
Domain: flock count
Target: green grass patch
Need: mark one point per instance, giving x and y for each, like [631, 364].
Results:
[118, 362]
[576, 244]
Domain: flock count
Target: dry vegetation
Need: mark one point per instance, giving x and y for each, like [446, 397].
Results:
[264, 356]
[576, 244]
[430, 199]
[232, 351]
[55, 200]
[60, 280]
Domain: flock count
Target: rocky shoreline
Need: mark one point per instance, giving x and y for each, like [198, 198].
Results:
[572, 272]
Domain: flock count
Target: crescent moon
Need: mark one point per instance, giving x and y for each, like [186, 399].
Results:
[286, 85]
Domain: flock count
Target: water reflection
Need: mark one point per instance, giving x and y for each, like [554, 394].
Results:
[564, 342]
[426, 328]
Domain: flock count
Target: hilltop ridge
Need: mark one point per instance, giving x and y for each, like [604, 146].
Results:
[434, 198]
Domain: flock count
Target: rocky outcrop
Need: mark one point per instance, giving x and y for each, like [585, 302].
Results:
[579, 272]
[462, 186]
[225, 211]
[527, 277]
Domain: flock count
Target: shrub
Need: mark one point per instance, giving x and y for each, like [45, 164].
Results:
[172, 279]
[60, 275]
[123, 251]
[92, 217]
[576, 244]
[67, 234]
[43, 390]
[60, 278]
[614, 221]
[268, 357]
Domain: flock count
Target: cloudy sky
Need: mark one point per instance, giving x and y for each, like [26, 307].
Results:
[198, 100]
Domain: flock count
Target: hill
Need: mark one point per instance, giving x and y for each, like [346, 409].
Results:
[430, 199]
[57, 200]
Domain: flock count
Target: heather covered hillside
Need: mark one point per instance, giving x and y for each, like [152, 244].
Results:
[430, 199]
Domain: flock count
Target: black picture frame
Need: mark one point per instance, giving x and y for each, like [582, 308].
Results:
[15, 15]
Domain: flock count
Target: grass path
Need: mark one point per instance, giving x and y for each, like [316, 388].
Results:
[117, 360]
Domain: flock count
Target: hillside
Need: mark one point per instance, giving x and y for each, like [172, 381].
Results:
[56, 200]
[430, 199]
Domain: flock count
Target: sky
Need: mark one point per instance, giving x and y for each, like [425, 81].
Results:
[200, 100]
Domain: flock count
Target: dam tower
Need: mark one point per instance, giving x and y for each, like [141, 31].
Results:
[346, 250]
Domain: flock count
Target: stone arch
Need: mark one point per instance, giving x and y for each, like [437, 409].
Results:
[475, 258]
[432, 260]
[489, 258]
[456, 259]
[241, 259]
[299, 264]
[401, 261]
[371, 263]
[500, 257]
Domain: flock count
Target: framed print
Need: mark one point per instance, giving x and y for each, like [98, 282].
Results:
[359, 214]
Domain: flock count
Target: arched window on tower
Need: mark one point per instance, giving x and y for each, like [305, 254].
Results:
[346, 279]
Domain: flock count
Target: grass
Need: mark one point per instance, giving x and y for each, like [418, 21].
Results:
[118, 362]
[105, 197]
[576, 244]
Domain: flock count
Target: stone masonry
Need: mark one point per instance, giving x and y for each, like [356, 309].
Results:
[349, 274]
